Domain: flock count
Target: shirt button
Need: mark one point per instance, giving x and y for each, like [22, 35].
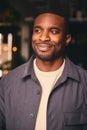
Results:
[38, 92]
[31, 115]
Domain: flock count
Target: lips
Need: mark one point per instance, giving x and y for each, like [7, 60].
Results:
[44, 47]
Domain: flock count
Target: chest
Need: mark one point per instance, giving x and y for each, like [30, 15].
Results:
[65, 106]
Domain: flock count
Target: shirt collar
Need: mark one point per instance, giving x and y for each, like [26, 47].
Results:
[69, 70]
[28, 70]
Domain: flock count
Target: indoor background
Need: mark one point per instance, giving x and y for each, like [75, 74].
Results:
[16, 20]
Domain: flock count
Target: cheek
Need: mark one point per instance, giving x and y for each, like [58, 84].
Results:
[56, 38]
[35, 37]
[34, 40]
[59, 40]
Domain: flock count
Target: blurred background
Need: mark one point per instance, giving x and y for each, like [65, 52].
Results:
[16, 20]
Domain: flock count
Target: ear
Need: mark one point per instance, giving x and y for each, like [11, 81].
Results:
[68, 39]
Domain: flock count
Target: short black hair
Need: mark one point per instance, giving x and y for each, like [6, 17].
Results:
[56, 11]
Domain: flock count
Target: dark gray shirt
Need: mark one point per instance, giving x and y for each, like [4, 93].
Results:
[20, 94]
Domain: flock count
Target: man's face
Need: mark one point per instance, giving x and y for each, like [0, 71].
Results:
[49, 38]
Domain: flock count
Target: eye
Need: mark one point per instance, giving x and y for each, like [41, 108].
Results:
[55, 31]
[37, 30]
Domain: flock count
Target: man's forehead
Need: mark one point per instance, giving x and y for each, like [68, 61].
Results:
[49, 18]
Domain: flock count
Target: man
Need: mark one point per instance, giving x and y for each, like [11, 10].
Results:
[48, 92]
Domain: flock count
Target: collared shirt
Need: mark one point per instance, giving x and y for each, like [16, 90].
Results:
[20, 94]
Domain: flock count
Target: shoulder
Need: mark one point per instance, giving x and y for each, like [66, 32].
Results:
[82, 74]
[76, 71]
[14, 76]
[15, 73]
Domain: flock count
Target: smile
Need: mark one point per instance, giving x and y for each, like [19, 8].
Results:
[44, 47]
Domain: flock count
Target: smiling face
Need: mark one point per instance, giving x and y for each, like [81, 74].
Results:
[49, 37]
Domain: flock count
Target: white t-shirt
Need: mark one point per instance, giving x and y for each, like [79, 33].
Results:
[47, 81]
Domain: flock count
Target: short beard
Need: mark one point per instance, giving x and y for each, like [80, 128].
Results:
[51, 57]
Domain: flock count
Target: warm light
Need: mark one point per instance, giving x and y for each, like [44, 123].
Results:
[0, 73]
[1, 41]
[5, 72]
[10, 38]
[14, 49]
[5, 48]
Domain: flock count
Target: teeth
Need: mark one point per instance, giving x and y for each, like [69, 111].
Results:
[43, 47]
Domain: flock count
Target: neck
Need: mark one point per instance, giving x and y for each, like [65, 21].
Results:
[49, 65]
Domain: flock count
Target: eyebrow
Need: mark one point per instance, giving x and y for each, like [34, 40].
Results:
[37, 26]
[53, 27]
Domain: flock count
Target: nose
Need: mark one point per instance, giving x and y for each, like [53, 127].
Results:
[44, 37]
